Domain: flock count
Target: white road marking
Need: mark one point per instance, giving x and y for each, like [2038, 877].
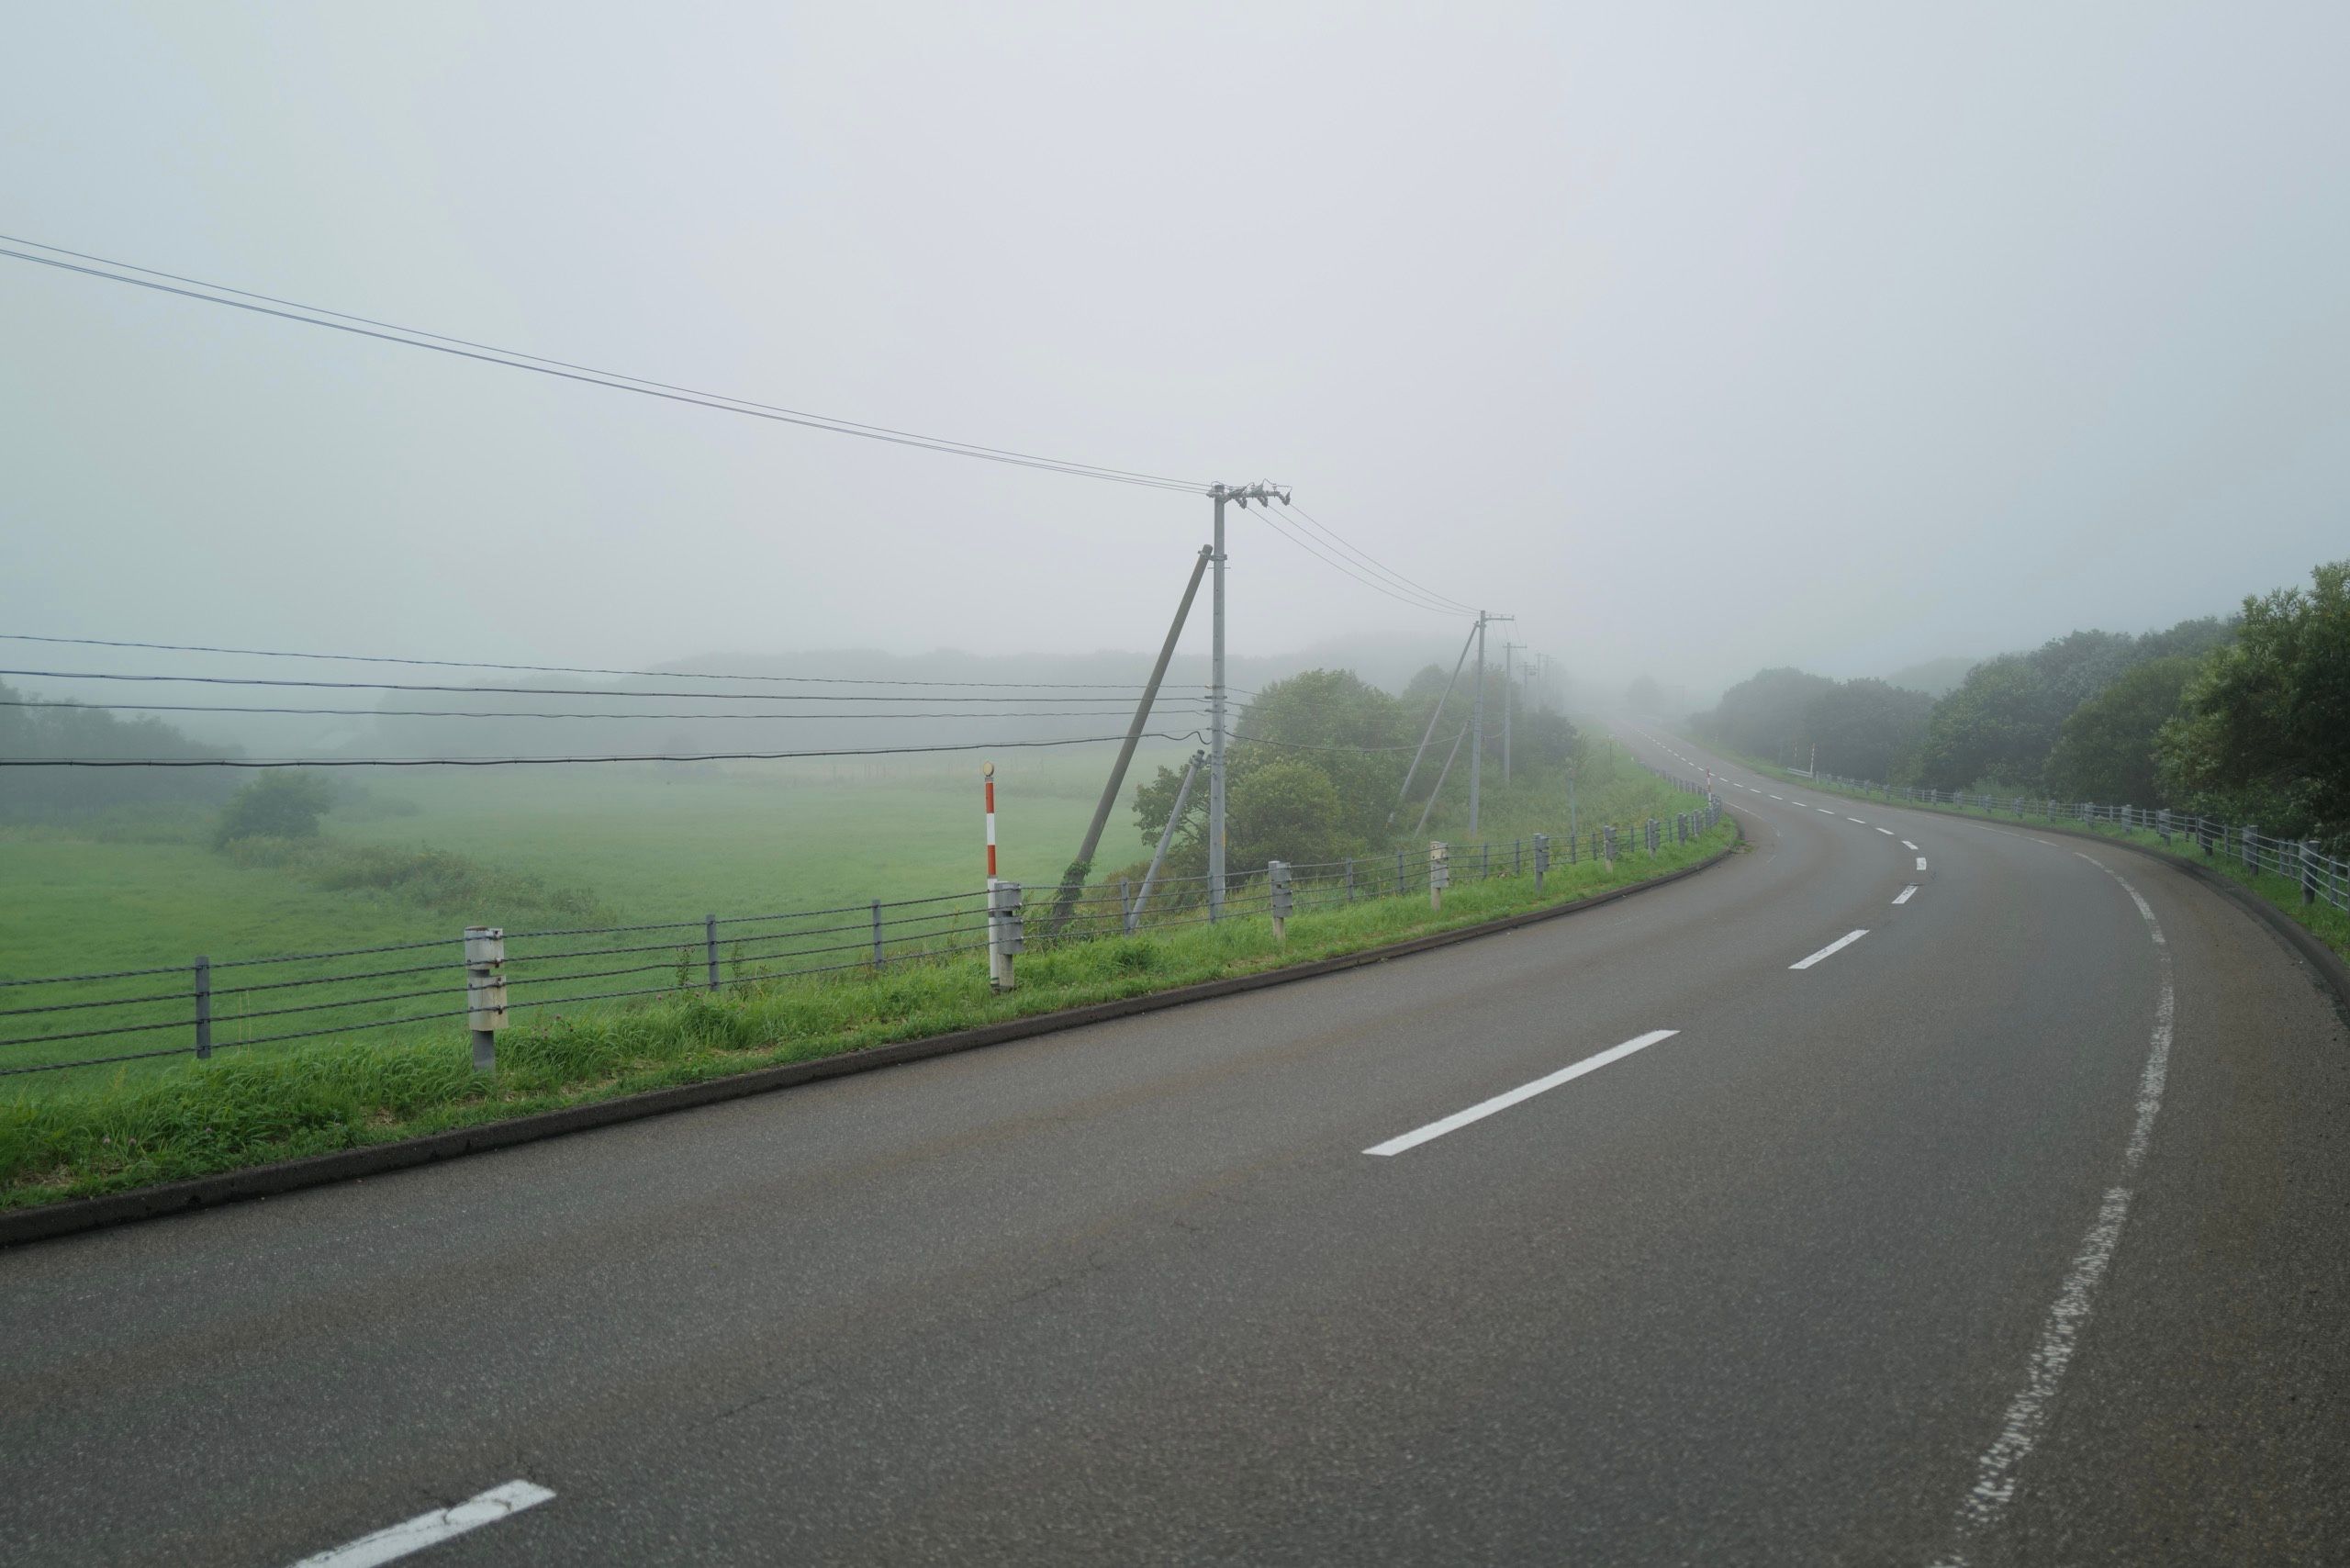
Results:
[1855, 819]
[430, 1529]
[1778, 796]
[1907, 844]
[1921, 862]
[1905, 894]
[1823, 810]
[2027, 1415]
[1480, 1111]
[1886, 831]
[1836, 946]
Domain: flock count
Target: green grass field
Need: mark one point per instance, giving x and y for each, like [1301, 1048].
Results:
[420, 856]
[109, 1129]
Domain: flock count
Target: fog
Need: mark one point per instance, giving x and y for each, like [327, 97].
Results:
[1696, 338]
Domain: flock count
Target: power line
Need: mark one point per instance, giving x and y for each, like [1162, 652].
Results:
[519, 691]
[1364, 556]
[573, 669]
[1187, 706]
[528, 761]
[1433, 606]
[417, 338]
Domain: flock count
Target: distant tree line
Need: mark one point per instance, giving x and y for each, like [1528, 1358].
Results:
[2246, 718]
[55, 731]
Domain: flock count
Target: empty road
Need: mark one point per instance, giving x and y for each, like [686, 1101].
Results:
[1907, 1189]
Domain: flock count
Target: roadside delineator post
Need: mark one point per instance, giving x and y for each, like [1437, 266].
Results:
[485, 991]
[1281, 897]
[1608, 854]
[1439, 873]
[1005, 934]
[990, 776]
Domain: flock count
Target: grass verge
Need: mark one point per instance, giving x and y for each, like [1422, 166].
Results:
[237, 1112]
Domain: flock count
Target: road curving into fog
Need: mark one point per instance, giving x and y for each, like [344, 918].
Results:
[1908, 1189]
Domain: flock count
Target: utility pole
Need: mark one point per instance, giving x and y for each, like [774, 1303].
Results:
[1477, 750]
[1509, 700]
[1244, 494]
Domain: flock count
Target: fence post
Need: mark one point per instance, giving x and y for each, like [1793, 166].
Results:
[2248, 846]
[1277, 886]
[1125, 908]
[203, 1008]
[877, 934]
[1005, 936]
[1609, 832]
[1541, 858]
[710, 948]
[1439, 873]
[1399, 873]
[1350, 878]
[1517, 857]
[2309, 870]
[485, 991]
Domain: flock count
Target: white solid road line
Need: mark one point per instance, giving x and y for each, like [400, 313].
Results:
[1921, 862]
[1905, 894]
[1836, 946]
[430, 1529]
[1479, 1112]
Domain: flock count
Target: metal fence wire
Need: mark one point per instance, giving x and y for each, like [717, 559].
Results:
[111, 1017]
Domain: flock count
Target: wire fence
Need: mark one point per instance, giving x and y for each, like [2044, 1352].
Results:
[59, 1023]
[2322, 878]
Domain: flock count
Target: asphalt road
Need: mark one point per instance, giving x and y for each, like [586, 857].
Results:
[1961, 1243]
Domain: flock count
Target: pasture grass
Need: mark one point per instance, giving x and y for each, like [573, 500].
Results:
[128, 1129]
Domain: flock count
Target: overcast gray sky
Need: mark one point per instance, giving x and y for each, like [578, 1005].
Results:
[1698, 337]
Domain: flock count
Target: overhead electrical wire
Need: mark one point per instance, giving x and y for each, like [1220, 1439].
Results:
[577, 669]
[1367, 559]
[1295, 537]
[531, 761]
[519, 691]
[514, 359]
[1187, 706]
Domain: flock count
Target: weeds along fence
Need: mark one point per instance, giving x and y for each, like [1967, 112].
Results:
[56, 1024]
[2322, 878]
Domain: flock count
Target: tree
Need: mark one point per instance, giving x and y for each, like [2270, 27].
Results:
[2264, 730]
[2104, 751]
[1767, 715]
[275, 805]
[1867, 728]
[1997, 728]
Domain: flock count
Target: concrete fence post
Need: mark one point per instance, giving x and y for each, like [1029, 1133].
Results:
[1439, 873]
[1126, 907]
[1608, 834]
[1541, 858]
[1279, 897]
[2309, 870]
[2248, 846]
[485, 991]
[203, 1008]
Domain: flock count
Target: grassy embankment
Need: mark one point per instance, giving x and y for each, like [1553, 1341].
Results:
[282, 1102]
[2329, 925]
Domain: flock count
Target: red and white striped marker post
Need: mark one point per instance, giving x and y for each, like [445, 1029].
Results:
[990, 776]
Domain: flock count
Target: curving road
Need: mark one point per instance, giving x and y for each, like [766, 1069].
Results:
[2016, 1230]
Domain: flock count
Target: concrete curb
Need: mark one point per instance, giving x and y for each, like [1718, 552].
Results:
[18, 1227]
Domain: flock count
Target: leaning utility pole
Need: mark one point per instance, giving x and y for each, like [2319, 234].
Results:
[1477, 751]
[1073, 880]
[1244, 494]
